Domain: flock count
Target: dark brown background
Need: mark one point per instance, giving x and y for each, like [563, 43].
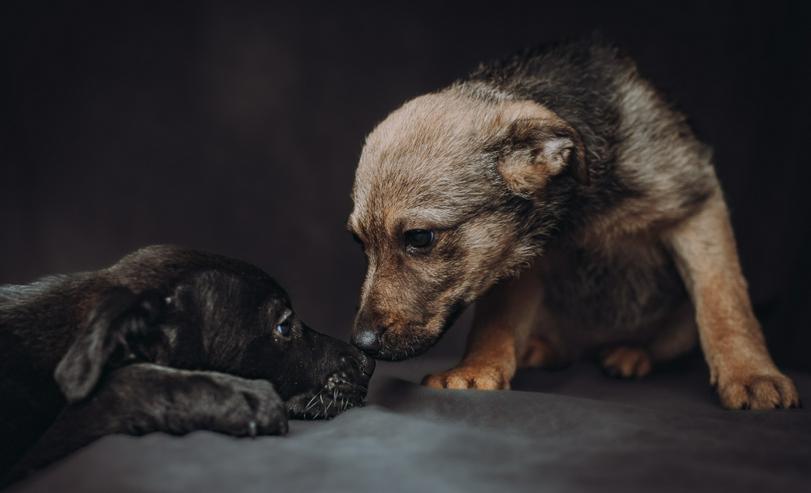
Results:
[235, 127]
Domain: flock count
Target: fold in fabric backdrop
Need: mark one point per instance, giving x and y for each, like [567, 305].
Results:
[235, 127]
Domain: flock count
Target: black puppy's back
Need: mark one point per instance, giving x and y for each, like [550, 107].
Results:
[30, 331]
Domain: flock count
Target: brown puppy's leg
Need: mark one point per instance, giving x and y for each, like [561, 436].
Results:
[626, 361]
[676, 336]
[504, 318]
[539, 352]
[733, 344]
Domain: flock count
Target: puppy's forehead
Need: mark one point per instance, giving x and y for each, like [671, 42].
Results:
[423, 159]
[219, 285]
[423, 134]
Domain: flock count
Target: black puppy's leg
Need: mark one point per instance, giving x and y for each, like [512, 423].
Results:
[143, 398]
[122, 324]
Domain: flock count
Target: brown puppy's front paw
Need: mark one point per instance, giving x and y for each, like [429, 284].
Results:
[539, 353]
[626, 362]
[469, 377]
[757, 391]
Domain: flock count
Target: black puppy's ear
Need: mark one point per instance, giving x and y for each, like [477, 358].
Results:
[120, 318]
[532, 150]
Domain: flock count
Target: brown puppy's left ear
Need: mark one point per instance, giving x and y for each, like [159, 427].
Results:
[536, 149]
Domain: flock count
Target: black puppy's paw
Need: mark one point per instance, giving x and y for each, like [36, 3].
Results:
[143, 398]
[251, 408]
[122, 323]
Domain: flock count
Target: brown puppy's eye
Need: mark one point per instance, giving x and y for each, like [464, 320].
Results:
[419, 238]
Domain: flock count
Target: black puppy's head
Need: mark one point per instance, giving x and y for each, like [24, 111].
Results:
[246, 325]
[197, 311]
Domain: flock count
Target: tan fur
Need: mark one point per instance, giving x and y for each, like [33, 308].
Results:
[540, 353]
[740, 365]
[730, 335]
[425, 167]
[504, 319]
[393, 184]
[626, 361]
[663, 204]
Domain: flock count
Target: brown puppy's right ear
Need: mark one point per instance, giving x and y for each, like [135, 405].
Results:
[111, 327]
[537, 145]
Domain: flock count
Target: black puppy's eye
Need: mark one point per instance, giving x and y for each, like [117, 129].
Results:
[283, 328]
[419, 238]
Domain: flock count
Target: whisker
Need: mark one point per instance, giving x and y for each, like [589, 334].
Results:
[311, 403]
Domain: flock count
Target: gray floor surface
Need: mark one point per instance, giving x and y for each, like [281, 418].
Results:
[571, 430]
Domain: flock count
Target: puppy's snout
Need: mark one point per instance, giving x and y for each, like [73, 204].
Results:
[366, 364]
[369, 340]
[360, 364]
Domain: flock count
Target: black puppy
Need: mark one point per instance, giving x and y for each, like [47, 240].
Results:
[167, 340]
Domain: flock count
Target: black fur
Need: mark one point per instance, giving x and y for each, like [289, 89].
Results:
[577, 81]
[168, 340]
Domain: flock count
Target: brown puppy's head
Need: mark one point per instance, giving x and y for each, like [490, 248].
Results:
[453, 191]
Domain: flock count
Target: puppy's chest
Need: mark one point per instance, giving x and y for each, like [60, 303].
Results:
[622, 291]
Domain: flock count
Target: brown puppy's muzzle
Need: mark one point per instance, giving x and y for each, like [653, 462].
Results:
[369, 339]
[395, 343]
[373, 337]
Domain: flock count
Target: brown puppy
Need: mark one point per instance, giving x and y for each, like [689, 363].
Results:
[562, 193]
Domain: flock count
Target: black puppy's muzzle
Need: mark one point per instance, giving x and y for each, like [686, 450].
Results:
[344, 387]
[359, 364]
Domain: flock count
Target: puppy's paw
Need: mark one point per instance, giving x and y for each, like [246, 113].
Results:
[540, 353]
[626, 362]
[469, 377]
[758, 391]
[251, 408]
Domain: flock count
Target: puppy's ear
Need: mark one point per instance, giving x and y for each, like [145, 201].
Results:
[117, 325]
[534, 149]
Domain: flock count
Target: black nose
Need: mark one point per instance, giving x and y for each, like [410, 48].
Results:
[366, 365]
[358, 365]
[369, 340]
[361, 366]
